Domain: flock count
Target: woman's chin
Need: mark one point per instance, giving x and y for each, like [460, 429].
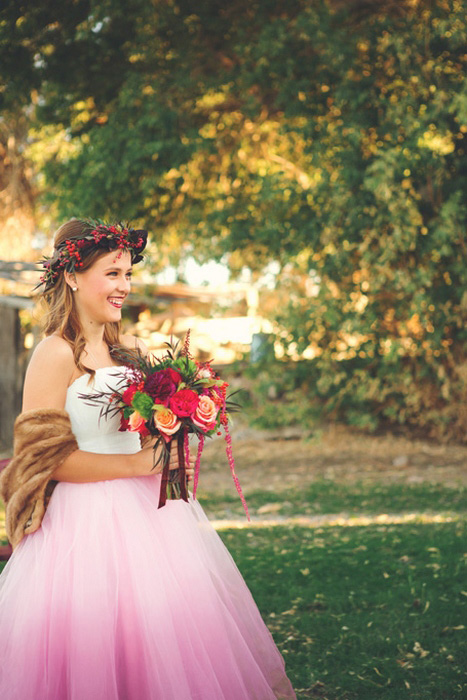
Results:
[114, 313]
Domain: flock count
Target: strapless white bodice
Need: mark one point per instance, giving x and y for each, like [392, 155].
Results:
[93, 432]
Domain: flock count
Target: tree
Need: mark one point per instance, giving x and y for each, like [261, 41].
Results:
[329, 137]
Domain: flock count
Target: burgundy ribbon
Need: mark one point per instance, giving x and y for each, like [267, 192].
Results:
[165, 479]
[181, 472]
[182, 465]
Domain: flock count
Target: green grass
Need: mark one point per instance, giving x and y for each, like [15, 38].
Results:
[325, 496]
[363, 612]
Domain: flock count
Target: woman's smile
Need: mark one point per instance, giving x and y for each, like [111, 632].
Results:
[117, 302]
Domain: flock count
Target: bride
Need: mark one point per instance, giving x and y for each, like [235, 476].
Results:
[107, 597]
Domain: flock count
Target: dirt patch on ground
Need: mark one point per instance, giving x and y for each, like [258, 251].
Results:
[274, 461]
[267, 460]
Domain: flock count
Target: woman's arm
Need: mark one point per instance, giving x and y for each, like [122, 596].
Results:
[83, 467]
[45, 386]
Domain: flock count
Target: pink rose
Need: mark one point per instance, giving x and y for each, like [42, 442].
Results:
[136, 424]
[206, 413]
[184, 402]
[166, 421]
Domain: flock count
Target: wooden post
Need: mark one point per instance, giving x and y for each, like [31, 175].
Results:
[13, 356]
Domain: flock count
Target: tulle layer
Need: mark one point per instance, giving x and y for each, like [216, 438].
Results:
[113, 599]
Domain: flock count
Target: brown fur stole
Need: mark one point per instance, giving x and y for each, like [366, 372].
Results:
[43, 439]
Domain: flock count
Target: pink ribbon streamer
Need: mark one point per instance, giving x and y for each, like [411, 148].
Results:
[186, 445]
[198, 463]
[230, 457]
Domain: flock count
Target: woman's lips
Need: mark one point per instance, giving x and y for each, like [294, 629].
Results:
[117, 302]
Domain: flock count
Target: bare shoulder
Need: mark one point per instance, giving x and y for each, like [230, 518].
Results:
[134, 343]
[48, 375]
[53, 353]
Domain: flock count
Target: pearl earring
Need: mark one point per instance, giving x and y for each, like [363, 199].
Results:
[74, 289]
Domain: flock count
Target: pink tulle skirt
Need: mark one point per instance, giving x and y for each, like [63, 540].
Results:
[113, 599]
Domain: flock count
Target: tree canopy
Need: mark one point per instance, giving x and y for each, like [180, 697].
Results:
[326, 136]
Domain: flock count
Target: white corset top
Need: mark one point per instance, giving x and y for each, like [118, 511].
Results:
[94, 433]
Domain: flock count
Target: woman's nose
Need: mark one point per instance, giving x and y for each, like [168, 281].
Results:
[124, 284]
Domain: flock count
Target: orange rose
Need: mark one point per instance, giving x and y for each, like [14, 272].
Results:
[166, 421]
[206, 413]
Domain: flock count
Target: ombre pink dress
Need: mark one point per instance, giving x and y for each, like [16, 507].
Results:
[115, 599]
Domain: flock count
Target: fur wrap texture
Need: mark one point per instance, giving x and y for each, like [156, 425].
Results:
[43, 439]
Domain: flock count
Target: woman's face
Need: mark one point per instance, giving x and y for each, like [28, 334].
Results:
[103, 287]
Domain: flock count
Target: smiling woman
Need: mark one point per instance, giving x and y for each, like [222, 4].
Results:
[106, 595]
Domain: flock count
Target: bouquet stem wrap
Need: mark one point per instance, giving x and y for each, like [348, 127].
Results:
[173, 484]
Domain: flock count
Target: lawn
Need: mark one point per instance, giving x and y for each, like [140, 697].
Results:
[359, 611]
[363, 612]
[362, 605]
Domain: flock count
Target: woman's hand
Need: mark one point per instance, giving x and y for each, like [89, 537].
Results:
[144, 462]
[174, 463]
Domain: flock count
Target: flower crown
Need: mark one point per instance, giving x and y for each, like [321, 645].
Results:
[69, 254]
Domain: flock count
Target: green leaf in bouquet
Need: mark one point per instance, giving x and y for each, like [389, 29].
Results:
[143, 404]
[186, 366]
[209, 381]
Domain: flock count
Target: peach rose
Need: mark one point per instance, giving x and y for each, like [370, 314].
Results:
[166, 421]
[206, 413]
[136, 422]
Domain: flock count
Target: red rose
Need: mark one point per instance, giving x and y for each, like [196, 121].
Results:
[184, 402]
[127, 396]
[174, 375]
[124, 424]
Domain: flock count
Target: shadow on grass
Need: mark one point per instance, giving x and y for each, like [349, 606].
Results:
[328, 497]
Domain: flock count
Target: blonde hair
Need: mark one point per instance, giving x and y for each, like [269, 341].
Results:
[61, 316]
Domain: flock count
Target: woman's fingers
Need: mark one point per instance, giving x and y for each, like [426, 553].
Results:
[174, 462]
[174, 454]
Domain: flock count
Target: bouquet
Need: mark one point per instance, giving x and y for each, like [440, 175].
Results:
[170, 399]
